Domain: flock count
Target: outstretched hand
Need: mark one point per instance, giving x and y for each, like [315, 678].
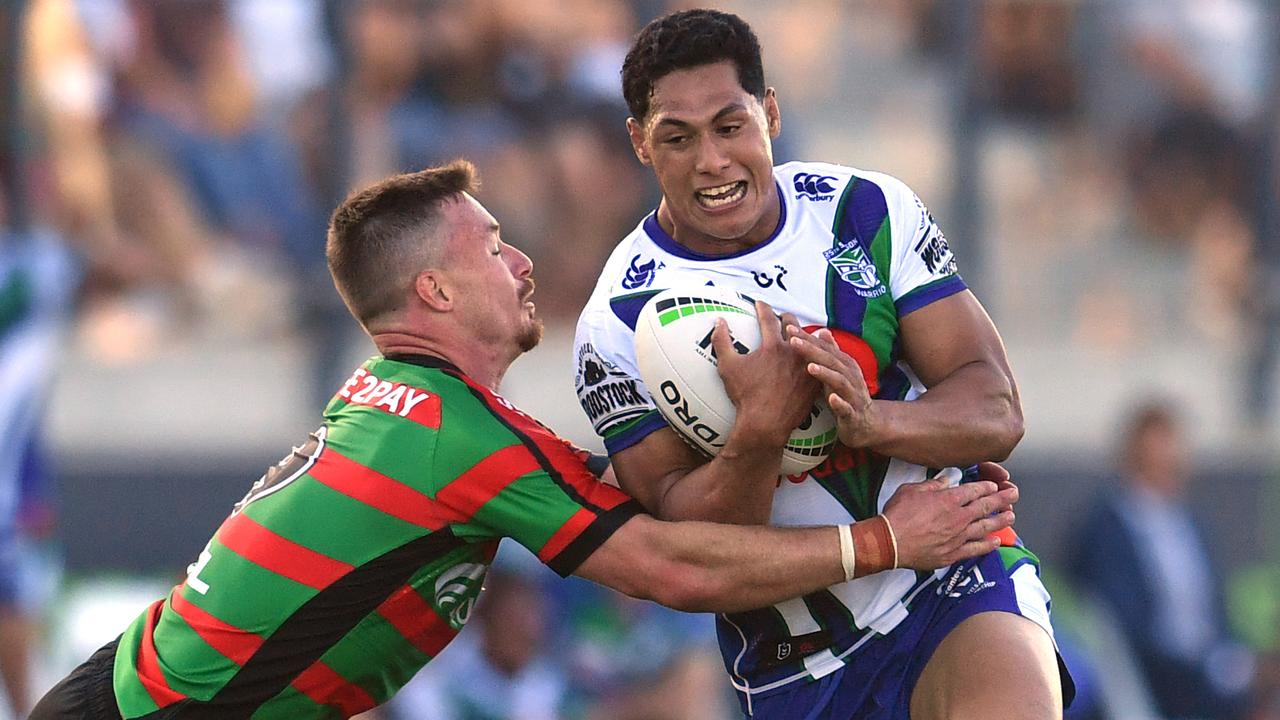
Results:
[842, 381]
[937, 525]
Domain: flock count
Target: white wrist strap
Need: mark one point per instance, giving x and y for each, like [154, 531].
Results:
[846, 550]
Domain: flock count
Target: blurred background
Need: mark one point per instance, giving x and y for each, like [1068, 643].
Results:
[1105, 170]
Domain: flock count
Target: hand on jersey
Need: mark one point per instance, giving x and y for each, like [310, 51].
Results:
[842, 381]
[769, 385]
[936, 525]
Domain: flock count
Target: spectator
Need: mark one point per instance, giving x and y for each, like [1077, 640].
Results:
[1142, 552]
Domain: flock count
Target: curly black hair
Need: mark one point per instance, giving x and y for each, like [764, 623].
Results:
[686, 39]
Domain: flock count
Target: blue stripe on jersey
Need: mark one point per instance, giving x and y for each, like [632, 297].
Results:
[627, 307]
[894, 383]
[862, 212]
[633, 432]
[669, 245]
[929, 293]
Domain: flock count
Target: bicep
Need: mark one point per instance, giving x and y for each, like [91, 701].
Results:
[944, 336]
[648, 469]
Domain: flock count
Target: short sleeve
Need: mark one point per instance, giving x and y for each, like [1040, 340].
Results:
[530, 485]
[923, 267]
[607, 380]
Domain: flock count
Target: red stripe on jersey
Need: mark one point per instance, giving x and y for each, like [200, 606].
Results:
[415, 619]
[482, 481]
[236, 644]
[280, 555]
[393, 398]
[326, 687]
[148, 663]
[572, 528]
[564, 457]
[379, 491]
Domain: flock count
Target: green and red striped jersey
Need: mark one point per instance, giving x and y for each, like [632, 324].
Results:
[357, 558]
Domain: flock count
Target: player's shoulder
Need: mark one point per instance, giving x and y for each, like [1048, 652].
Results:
[820, 178]
[626, 279]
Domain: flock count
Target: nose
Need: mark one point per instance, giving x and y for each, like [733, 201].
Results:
[711, 158]
[521, 265]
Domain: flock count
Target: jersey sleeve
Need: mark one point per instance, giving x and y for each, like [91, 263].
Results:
[534, 488]
[923, 268]
[607, 379]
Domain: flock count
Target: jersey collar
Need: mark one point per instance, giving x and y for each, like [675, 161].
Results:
[424, 360]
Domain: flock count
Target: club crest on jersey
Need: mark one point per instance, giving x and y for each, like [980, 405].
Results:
[856, 268]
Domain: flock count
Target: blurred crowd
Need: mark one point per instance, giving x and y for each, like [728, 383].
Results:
[188, 152]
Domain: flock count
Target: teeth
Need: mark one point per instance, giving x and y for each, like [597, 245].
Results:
[722, 194]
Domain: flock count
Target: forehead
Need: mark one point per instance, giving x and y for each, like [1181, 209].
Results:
[690, 93]
[467, 216]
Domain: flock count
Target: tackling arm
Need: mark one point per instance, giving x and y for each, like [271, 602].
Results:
[697, 566]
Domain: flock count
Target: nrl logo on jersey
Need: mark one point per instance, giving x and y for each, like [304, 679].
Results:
[856, 269]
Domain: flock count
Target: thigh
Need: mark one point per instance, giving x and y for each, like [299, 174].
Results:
[993, 664]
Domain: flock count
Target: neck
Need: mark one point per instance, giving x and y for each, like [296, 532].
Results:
[480, 362]
[700, 242]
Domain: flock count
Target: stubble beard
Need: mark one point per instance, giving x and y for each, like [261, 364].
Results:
[530, 336]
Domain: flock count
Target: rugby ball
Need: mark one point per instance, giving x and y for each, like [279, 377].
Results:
[676, 361]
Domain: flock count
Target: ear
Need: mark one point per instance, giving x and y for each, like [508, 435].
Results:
[433, 289]
[639, 145]
[772, 116]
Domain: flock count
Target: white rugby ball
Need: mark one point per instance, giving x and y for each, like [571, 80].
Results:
[676, 363]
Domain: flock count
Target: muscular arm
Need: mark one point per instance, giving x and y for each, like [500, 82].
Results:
[675, 482]
[772, 394]
[697, 566]
[971, 411]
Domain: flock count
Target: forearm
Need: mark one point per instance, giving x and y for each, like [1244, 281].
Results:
[972, 415]
[736, 486]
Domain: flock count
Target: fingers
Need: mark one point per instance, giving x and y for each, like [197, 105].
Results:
[771, 326]
[973, 549]
[993, 472]
[722, 344]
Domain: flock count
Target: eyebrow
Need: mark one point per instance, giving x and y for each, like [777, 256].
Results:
[726, 110]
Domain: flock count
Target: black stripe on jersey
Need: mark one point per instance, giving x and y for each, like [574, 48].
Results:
[314, 628]
[532, 447]
[593, 537]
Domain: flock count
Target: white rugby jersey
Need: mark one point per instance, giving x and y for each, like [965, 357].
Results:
[854, 251]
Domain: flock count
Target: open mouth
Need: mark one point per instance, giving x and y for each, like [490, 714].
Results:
[722, 195]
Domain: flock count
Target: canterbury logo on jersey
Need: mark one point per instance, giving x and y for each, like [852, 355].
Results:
[815, 187]
[406, 401]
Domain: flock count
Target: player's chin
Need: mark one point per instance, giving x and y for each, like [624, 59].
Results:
[531, 335]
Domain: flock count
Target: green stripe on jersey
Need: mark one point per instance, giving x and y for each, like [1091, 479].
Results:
[207, 670]
[131, 697]
[1011, 556]
[247, 595]
[330, 523]
[531, 509]
[291, 703]
[880, 321]
[370, 645]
